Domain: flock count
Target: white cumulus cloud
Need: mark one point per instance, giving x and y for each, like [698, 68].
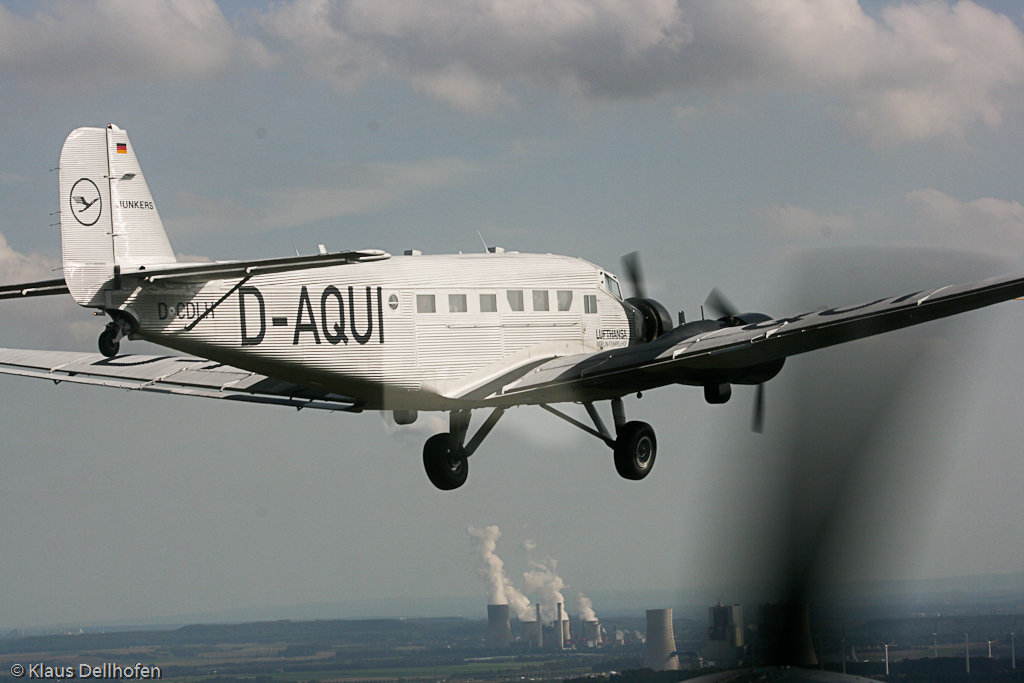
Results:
[82, 44]
[987, 224]
[917, 71]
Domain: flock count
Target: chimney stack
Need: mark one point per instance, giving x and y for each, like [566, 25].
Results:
[540, 628]
[661, 641]
[558, 626]
[499, 630]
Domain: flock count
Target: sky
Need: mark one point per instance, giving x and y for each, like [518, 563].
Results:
[732, 144]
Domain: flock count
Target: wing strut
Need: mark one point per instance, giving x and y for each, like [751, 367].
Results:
[602, 434]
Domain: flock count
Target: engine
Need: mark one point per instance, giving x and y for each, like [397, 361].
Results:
[650, 319]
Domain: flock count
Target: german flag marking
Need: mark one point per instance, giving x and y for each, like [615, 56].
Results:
[122, 148]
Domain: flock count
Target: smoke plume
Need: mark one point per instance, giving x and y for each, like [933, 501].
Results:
[545, 582]
[586, 607]
[491, 570]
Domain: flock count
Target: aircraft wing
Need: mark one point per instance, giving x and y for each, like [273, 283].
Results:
[182, 375]
[27, 289]
[679, 358]
[202, 272]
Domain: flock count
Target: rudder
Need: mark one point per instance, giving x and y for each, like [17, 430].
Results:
[109, 221]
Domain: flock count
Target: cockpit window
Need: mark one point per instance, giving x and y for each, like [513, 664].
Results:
[612, 286]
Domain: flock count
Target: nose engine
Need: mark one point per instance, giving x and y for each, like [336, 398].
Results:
[650, 319]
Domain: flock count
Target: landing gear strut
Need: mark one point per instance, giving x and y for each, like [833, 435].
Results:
[446, 455]
[634, 446]
[110, 339]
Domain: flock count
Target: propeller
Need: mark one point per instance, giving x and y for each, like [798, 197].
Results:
[758, 422]
[720, 305]
[826, 484]
[635, 274]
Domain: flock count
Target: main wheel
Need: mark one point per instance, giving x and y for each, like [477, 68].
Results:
[109, 343]
[635, 450]
[444, 470]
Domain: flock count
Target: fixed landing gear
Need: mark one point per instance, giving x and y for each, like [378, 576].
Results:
[110, 339]
[634, 446]
[446, 455]
[635, 449]
[445, 470]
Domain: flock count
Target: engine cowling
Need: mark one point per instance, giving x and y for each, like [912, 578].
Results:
[652, 319]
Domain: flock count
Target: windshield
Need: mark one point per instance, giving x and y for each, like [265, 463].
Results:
[612, 286]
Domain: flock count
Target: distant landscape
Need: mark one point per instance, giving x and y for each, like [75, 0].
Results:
[925, 636]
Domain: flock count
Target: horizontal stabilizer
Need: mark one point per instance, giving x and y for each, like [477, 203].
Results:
[182, 375]
[26, 289]
[219, 270]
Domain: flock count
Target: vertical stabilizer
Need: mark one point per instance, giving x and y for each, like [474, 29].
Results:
[107, 215]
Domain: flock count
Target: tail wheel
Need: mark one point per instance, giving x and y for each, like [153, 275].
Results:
[635, 449]
[445, 470]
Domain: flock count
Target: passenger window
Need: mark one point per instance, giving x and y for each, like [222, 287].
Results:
[515, 299]
[488, 303]
[540, 300]
[590, 303]
[564, 300]
[457, 303]
[425, 303]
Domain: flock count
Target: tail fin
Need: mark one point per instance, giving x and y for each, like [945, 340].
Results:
[108, 218]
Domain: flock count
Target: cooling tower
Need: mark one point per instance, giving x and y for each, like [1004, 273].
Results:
[560, 626]
[661, 641]
[532, 634]
[499, 631]
[786, 634]
[592, 631]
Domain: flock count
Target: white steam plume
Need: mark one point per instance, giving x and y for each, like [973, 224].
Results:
[491, 569]
[586, 607]
[545, 582]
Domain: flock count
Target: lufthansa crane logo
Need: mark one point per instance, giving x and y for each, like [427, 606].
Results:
[86, 204]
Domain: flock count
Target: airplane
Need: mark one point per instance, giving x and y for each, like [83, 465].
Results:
[362, 330]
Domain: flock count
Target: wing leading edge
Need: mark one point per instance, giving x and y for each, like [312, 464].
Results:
[181, 375]
[692, 359]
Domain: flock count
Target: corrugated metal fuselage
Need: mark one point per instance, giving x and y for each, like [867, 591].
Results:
[415, 332]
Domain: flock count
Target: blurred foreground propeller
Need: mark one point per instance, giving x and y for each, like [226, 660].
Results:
[857, 425]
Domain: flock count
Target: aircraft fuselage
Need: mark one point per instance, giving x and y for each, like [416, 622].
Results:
[406, 333]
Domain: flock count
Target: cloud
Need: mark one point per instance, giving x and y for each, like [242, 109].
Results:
[798, 221]
[990, 225]
[50, 322]
[916, 72]
[100, 42]
[470, 54]
[352, 190]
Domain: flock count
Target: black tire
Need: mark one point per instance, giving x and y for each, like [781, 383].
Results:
[108, 346]
[635, 450]
[443, 470]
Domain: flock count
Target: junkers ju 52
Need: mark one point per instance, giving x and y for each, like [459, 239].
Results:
[364, 330]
